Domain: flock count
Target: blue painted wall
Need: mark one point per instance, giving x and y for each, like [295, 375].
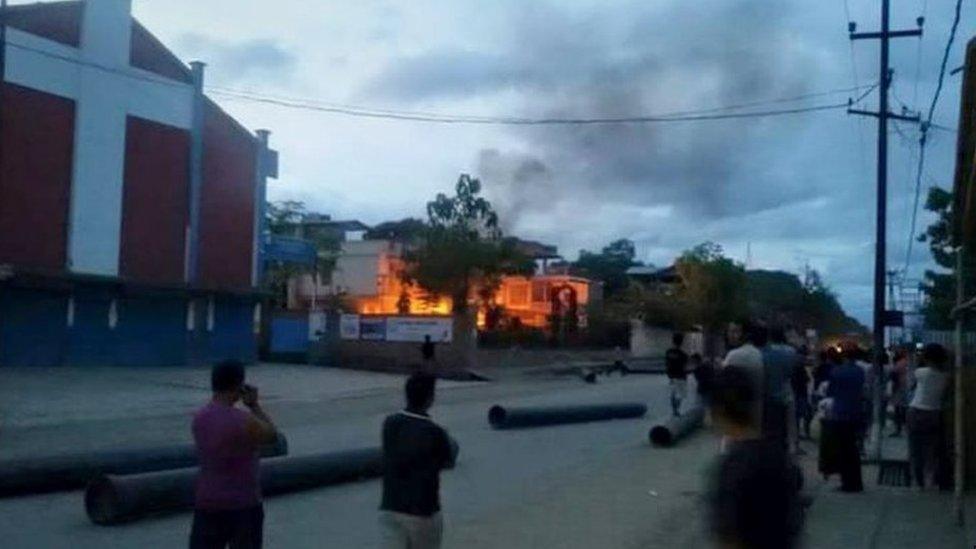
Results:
[149, 331]
[152, 332]
[32, 327]
[233, 332]
[289, 335]
[90, 341]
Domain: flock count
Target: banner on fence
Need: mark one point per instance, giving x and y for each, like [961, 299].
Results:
[317, 325]
[414, 329]
[349, 326]
[372, 328]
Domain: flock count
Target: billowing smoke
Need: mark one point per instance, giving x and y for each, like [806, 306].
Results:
[641, 58]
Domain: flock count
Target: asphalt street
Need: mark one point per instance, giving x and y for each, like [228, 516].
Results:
[589, 485]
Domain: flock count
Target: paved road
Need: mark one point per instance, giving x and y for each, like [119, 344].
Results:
[593, 485]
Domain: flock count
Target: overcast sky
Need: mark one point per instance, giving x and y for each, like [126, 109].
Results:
[791, 189]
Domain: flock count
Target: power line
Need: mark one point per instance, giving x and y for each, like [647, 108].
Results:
[924, 129]
[945, 60]
[688, 116]
[352, 110]
[860, 126]
[918, 52]
[249, 94]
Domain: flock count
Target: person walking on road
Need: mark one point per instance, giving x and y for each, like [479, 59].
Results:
[227, 505]
[415, 450]
[676, 367]
[926, 435]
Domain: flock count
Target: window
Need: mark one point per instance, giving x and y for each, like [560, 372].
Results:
[518, 295]
[540, 292]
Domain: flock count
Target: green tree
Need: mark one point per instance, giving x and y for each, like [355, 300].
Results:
[609, 266]
[713, 289]
[462, 254]
[939, 287]
[283, 216]
[782, 297]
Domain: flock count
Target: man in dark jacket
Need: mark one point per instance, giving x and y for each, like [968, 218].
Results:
[676, 367]
[415, 450]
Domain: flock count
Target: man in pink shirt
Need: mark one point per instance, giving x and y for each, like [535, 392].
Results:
[227, 509]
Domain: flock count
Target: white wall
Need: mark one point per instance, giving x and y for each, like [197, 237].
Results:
[650, 342]
[360, 266]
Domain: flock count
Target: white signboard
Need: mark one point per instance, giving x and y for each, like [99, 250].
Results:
[317, 325]
[349, 326]
[399, 328]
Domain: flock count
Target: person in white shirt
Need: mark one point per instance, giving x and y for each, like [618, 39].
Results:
[926, 435]
[745, 338]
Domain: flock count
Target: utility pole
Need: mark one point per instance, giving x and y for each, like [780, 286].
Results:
[880, 260]
[3, 66]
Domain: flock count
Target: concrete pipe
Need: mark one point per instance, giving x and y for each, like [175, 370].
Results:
[668, 430]
[118, 499]
[75, 471]
[501, 417]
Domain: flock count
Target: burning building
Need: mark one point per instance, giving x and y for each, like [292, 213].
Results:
[368, 275]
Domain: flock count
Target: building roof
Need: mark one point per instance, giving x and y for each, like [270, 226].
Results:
[61, 22]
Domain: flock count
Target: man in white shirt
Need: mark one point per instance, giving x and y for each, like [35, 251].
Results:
[743, 337]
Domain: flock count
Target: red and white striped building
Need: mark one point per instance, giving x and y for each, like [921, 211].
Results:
[130, 203]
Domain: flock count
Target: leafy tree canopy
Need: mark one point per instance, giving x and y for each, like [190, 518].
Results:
[462, 253]
[609, 266]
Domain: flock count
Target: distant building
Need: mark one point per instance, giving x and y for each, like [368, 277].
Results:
[130, 204]
[368, 275]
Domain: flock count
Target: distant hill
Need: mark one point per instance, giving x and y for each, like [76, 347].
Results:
[783, 296]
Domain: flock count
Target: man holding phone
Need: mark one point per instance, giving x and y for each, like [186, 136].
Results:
[227, 509]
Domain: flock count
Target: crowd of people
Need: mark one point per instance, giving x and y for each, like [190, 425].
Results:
[764, 396]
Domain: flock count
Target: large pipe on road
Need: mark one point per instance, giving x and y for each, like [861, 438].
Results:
[75, 471]
[116, 499]
[668, 430]
[501, 417]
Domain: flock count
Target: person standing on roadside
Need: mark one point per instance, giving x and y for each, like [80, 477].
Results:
[415, 450]
[899, 390]
[926, 434]
[800, 382]
[779, 361]
[745, 338]
[676, 367]
[427, 351]
[839, 442]
[227, 505]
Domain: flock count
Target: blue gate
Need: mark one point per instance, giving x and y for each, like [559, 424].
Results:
[289, 337]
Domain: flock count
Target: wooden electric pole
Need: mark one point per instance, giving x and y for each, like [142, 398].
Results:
[880, 260]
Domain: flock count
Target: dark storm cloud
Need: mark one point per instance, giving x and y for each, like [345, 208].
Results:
[604, 63]
[232, 62]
